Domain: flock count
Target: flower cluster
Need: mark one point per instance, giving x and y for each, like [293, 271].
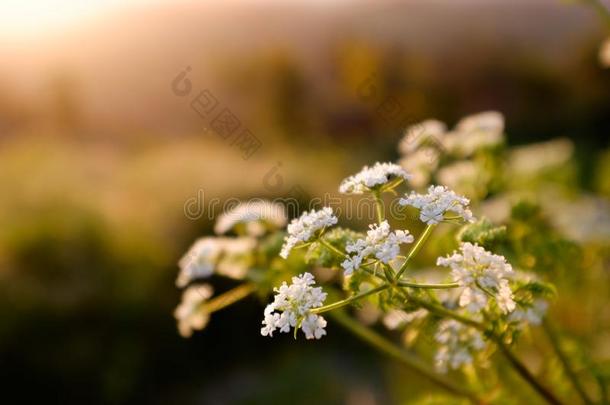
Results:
[532, 314]
[190, 314]
[226, 256]
[291, 308]
[475, 132]
[397, 318]
[380, 241]
[482, 274]
[254, 216]
[436, 203]
[423, 144]
[302, 229]
[371, 177]
[427, 132]
[457, 343]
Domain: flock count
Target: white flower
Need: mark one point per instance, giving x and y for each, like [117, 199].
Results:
[199, 261]
[256, 216]
[236, 257]
[530, 315]
[190, 314]
[370, 177]
[303, 228]
[458, 343]
[475, 132]
[504, 297]
[420, 164]
[481, 273]
[428, 131]
[487, 121]
[397, 318]
[436, 203]
[291, 306]
[464, 176]
[313, 326]
[604, 53]
[380, 241]
[532, 159]
[226, 256]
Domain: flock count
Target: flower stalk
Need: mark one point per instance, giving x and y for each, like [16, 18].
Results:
[406, 358]
[415, 249]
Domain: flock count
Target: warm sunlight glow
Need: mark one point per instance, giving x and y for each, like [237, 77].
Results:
[26, 18]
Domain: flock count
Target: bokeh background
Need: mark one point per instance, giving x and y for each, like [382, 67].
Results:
[99, 153]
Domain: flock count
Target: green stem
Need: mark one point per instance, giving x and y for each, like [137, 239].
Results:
[379, 206]
[228, 298]
[440, 310]
[389, 272]
[343, 255]
[526, 374]
[513, 360]
[391, 185]
[416, 248]
[385, 286]
[331, 247]
[398, 353]
[349, 300]
[430, 286]
[565, 362]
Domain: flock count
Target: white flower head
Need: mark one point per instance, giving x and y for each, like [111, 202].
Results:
[426, 132]
[190, 313]
[463, 175]
[226, 256]
[256, 216]
[420, 164]
[532, 314]
[199, 261]
[482, 274]
[397, 318]
[457, 345]
[236, 257]
[604, 53]
[535, 158]
[302, 229]
[371, 177]
[475, 132]
[291, 308]
[487, 121]
[436, 203]
[380, 241]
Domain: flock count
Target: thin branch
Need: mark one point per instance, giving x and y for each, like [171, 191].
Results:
[229, 297]
[526, 374]
[398, 353]
[513, 360]
[331, 247]
[565, 362]
[418, 245]
[349, 300]
[427, 285]
[379, 206]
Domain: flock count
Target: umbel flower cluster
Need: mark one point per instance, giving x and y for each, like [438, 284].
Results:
[469, 302]
[380, 242]
[292, 305]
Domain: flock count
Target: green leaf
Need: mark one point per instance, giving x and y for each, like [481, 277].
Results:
[483, 233]
[319, 255]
